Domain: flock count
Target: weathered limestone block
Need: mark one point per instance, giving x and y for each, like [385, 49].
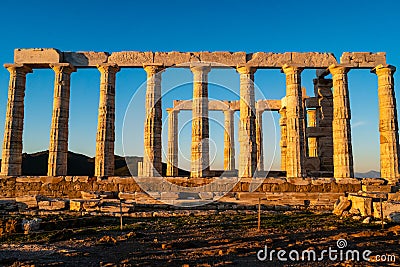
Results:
[223, 58]
[85, 59]
[394, 196]
[363, 59]
[388, 207]
[52, 204]
[373, 181]
[363, 204]
[171, 58]
[38, 56]
[341, 205]
[377, 188]
[29, 201]
[308, 59]
[89, 195]
[126, 196]
[131, 58]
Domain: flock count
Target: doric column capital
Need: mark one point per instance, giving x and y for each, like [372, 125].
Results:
[153, 69]
[103, 68]
[18, 67]
[62, 67]
[289, 69]
[335, 69]
[200, 68]
[384, 70]
[246, 69]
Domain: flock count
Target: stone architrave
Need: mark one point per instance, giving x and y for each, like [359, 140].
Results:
[295, 156]
[229, 141]
[104, 162]
[312, 141]
[247, 125]
[341, 130]
[172, 155]
[11, 163]
[200, 164]
[152, 165]
[259, 141]
[58, 149]
[388, 127]
[283, 141]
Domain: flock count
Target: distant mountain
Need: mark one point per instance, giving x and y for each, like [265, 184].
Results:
[78, 164]
[369, 174]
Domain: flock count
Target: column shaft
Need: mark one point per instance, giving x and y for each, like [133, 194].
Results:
[312, 141]
[259, 141]
[295, 156]
[229, 141]
[11, 164]
[247, 126]
[58, 149]
[200, 127]
[152, 165]
[388, 127]
[324, 116]
[283, 142]
[105, 138]
[172, 155]
[341, 130]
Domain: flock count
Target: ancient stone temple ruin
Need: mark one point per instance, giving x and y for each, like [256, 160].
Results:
[315, 130]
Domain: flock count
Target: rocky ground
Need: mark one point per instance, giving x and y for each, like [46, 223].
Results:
[229, 239]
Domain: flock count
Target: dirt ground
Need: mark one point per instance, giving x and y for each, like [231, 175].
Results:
[214, 240]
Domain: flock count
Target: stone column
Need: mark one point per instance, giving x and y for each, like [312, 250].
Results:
[11, 163]
[152, 165]
[104, 161]
[341, 130]
[312, 141]
[295, 156]
[388, 127]
[200, 128]
[259, 140]
[229, 141]
[58, 149]
[172, 155]
[324, 115]
[247, 125]
[283, 142]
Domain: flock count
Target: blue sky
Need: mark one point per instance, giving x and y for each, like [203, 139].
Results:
[251, 26]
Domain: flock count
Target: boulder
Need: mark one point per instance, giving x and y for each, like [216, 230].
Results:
[362, 203]
[341, 205]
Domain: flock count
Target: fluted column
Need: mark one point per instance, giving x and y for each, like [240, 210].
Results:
[388, 127]
[105, 138]
[11, 163]
[295, 156]
[247, 125]
[58, 149]
[259, 140]
[312, 141]
[323, 89]
[283, 142]
[152, 165]
[172, 155]
[229, 141]
[341, 130]
[200, 127]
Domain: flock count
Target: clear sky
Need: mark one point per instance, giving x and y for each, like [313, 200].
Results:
[251, 26]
